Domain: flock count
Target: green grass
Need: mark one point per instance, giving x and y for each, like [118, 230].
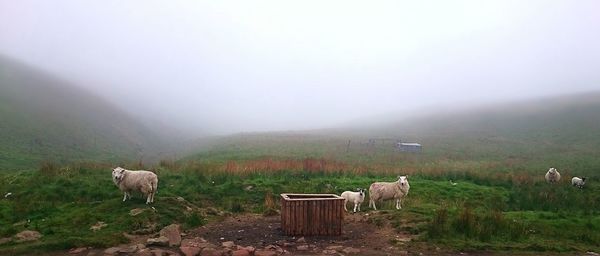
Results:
[64, 202]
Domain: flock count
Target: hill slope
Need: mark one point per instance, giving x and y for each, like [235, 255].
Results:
[519, 136]
[47, 119]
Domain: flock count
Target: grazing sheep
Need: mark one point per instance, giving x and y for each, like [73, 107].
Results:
[578, 182]
[552, 176]
[356, 197]
[129, 181]
[389, 190]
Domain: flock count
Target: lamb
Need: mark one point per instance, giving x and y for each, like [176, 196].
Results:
[552, 176]
[578, 182]
[131, 181]
[356, 197]
[389, 190]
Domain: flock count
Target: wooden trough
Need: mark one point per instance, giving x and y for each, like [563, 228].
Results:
[312, 214]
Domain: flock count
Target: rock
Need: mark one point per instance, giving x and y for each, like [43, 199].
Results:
[302, 248]
[350, 250]
[190, 251]
[286, 244]
[248, 188]
[162, 252]
[335, 247]
[228, 244]
[197, 242]
[160, 241]
[99, 225]
[78, 250]
[27, 235]
[136, 211]
[211, 252]
[112, 250]
[250, 249]
[301, 240]
[265, 253]
[129, 249]
[241, 252]
[5, 240]
[173, 233]
[403, 253]
[329, 252]
[592, 253]
[144, 252]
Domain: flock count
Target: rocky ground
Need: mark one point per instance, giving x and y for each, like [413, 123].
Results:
[252, 234]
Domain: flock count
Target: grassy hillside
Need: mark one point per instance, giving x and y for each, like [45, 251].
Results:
[518, 137]
[47, 119]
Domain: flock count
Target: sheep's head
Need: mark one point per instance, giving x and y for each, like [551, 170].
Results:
[361, 191]
[117, 174]
[552, 171]
[403, 180]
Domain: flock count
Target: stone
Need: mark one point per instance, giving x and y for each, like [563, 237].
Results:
[112, 250]
[136, 211]
[228, 244]
[211, 252]
[190, 251]
[27, 235]
[403, 253]
[301, 240]
[329, 252]
[350, 250]
[78, 250]
[159, 241]
[173, 233]
[302, 248]
[99, 225]
[335, 247]
[241, 252]
[162, 252]
[265, 253]
[144, 252]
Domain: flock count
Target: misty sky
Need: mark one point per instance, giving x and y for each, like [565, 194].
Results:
[231, 66]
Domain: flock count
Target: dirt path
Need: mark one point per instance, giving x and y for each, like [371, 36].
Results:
[258, 231]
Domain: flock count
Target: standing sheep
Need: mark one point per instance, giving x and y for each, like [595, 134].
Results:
[578, 182]
[356, 197]
[389, 190]
[552, 176]
[130, 181]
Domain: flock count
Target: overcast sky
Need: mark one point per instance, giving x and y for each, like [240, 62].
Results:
[231, 66]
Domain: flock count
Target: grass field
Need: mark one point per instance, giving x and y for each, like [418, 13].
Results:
[481, 212]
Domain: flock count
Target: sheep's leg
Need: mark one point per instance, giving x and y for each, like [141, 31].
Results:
[374, 207]
[355, 205]
[124, 196]
[359, 206]
[148, 198]
[398, 207]
[345, 202]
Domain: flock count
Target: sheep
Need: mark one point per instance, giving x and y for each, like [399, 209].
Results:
[389, 190]
[578, 182]
[552, 176]
[129, 181]
[356, 197]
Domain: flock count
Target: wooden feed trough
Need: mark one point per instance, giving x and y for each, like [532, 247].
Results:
[312, 214]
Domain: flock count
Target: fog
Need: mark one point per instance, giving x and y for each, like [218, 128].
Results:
[230, 66]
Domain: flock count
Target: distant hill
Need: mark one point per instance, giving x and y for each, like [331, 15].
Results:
[45, 118]
[527, 135]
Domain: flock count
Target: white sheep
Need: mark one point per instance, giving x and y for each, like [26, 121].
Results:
[355, 197]
[578, 182]
[130, 181]
[389, 190]
[552, 176]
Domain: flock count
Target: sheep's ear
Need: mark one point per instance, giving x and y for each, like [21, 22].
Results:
[406, 177]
